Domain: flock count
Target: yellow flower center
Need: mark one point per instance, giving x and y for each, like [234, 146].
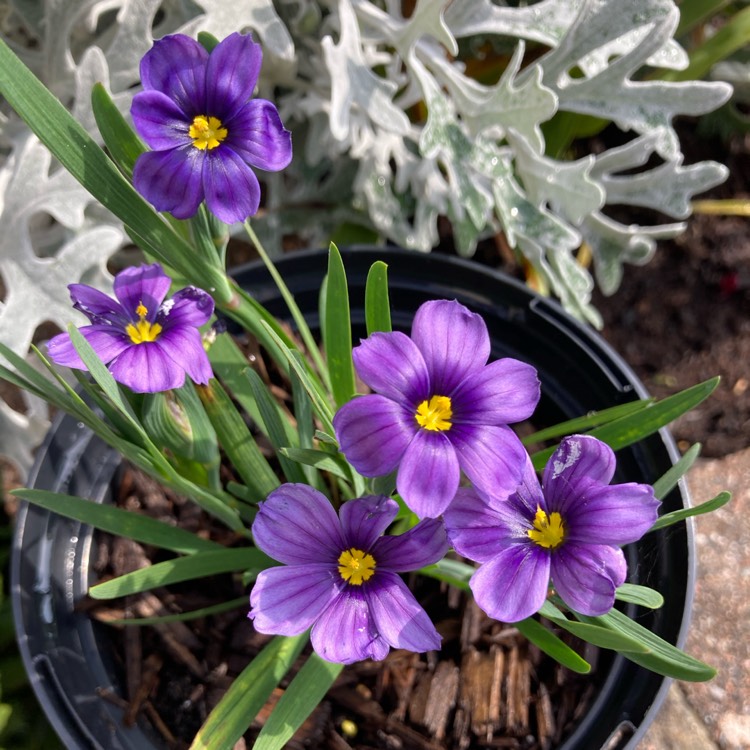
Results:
[142, 330]
[548, 531]
[435, 414]
[356, 566]
[207, 132]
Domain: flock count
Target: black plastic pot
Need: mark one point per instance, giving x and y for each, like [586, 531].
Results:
[579, 372]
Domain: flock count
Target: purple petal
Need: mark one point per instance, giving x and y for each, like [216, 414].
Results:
[503, 392]
[453, 340]
[176, 66]
[146, 285]
[398, 617]
[474, 526]
[391, 365]
[424, 544]
[513, 585]
[365, 519]
[298, 525]
[231, 187]
[615, 514]
[184, 347]
[586, 576]
[346, 632]
[527, 497]
[579, 462]
[159, 121]
[171, 180]
[231, 75]
[287, 600]
[106, 341]
[188, 307]
[373, 433]
[478, 522]
[492, 456]
[257, 134]
[97, 306]
[145, 368]
[429, 474]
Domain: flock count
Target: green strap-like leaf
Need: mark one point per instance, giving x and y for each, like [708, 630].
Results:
[303, 413]
[237, 441]
[207, 41]
[663, 658]
[299, 700]
[299, 318]
[695, 12]
[229, 364]
[698, 510]
[377, 304]
[451, 571]
[123, 144]
[104, 379]
[319, 459]
[337, 329]
[728, 38]
[634, 427]
[274, 426]
[247, 694]
[322, 408]
[551, 645]
[581, 424]
[198, 565]
[118, 521]
[193, 614]
[668, 481]
[594, 633]
[642, 595]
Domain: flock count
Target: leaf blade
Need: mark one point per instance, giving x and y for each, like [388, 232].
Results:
[199, 565]
[118, 521]
[337, 329]
[240, 704]
[299, 700]
[377, 304]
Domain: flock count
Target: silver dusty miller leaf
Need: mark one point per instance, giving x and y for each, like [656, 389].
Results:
[348, 77]
[36, 285]
[609, 92]
[20, 432]
[355, 89]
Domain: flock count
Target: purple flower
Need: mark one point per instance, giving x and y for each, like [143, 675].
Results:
[569, 532]
[339, 576]
[148, 342]
[438, 408]
[196, 113]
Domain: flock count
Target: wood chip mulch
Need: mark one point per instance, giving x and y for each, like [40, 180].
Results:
[487, 687]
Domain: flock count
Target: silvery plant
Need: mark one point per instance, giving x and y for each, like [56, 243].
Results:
[392, 130]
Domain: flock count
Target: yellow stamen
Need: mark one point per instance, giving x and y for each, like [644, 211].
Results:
[548, 531]
[435, 414]
[142, 330]
[356, 566]
[207, 132]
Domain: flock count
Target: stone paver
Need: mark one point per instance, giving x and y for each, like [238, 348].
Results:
[716, 714]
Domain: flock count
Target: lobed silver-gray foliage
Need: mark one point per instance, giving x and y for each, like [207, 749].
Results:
[389, 132]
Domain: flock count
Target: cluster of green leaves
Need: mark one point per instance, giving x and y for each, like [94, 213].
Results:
[220, 415]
